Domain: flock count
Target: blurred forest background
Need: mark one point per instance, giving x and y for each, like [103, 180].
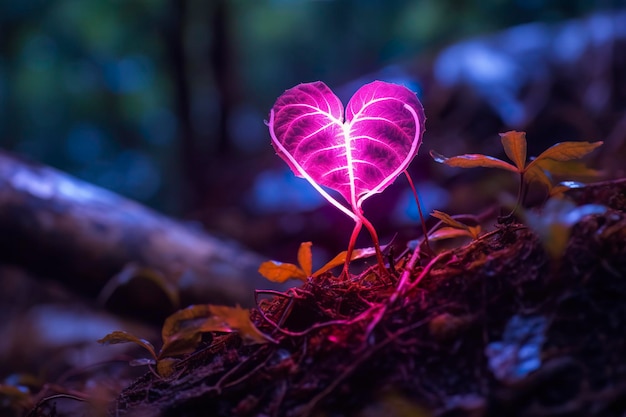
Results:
[164, 101]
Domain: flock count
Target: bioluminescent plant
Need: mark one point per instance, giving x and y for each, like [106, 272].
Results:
[357, 156]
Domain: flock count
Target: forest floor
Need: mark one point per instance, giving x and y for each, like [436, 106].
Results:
[493, 328]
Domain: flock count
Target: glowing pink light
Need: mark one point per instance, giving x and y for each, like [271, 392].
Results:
[360, 157]
[357, 156]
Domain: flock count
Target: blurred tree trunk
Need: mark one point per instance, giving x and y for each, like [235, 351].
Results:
[200, 160]
[225, 79]
[191, 159]
[82, 235]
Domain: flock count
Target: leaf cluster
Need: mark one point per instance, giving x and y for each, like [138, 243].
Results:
[453, 228]
[280, 272]
[558, 160]
[182, 333]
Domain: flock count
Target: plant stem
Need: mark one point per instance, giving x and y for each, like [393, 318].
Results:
[419, 209]
[355, 234]
[521, 195]
[370, 228]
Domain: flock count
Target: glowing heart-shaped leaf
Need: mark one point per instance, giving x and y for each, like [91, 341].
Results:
[357, 156]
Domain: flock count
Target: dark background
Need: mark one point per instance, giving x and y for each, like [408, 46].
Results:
[164, 101]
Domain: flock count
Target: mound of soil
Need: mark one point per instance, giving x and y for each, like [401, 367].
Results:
[492, 328]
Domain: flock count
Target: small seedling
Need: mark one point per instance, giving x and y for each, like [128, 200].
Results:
[182, 332]
[358, 156]
[453, 228]
[281, 271]
[557, 160]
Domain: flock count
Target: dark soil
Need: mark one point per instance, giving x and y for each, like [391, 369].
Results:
[493, 328]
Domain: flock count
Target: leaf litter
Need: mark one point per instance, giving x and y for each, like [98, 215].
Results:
[494, 328]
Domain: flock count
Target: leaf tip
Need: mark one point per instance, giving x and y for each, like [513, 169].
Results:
[437, 157]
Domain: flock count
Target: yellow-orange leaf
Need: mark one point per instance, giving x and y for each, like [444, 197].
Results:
[558, 191]
[182, 331]
[473, 161]
[449, 233]
[305, 258]
[447, 219]
[475, 231]
[181, 343]
[165, 367]
[536, 174]
[566, 151]
[238, 319]
[514, 144]
[119, 336]
[569, 169]
[183, 319]
[340, 259]
[280, 272]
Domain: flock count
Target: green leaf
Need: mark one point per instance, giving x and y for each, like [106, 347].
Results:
[473, 161]
[514, 144]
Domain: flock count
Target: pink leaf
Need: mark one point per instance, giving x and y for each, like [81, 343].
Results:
[357, 157]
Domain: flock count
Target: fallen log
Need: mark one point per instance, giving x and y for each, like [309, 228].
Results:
[82, 235]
